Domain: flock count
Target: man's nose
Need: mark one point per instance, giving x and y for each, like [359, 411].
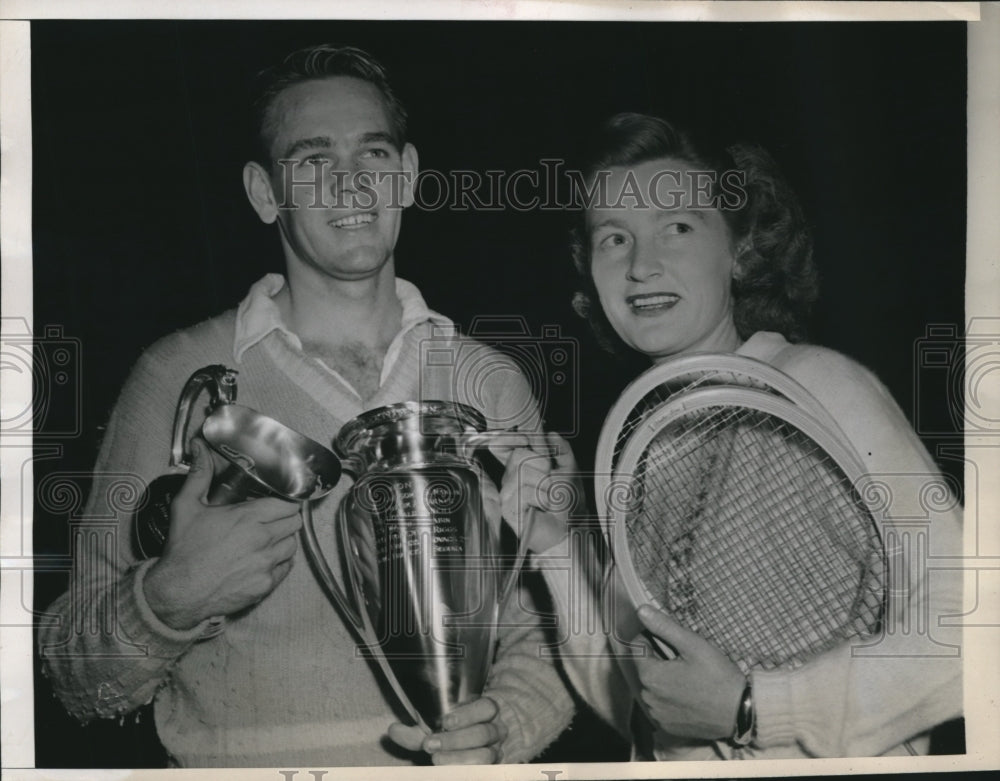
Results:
[645, 263]
[342, 181]
[341, 176]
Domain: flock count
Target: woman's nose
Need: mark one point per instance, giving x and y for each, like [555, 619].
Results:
[645, 263]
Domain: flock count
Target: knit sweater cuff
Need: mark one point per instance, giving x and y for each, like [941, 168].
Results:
[774, 708]
[142, 624]
[525, 741]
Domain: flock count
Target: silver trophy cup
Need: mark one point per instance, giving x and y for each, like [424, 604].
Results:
[264, 458]
[425, 580]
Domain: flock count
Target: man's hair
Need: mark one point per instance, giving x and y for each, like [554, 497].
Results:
[311, 64]
[777, 281]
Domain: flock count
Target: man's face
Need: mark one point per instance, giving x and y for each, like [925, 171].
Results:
[339, 182]
[662, 270]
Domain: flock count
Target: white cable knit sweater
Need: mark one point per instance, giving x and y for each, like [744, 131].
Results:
[282, 683]
[846, 702]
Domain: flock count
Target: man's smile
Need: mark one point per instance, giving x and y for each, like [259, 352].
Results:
[354, 221]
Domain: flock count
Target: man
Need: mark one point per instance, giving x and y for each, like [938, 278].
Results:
[228, 631]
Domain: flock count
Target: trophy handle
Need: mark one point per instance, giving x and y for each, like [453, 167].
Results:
[338, 594]
[361, 619]
[221, 384]
[334, 589]
[506, 589]
[475, 441]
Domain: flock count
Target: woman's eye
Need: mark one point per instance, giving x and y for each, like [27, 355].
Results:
[612, 240]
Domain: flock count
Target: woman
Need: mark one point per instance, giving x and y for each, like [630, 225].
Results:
[683, 251]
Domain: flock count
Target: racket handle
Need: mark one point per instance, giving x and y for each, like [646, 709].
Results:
[662, 648]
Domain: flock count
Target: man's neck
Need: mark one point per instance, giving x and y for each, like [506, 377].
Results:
[347, 324]
[330, 313]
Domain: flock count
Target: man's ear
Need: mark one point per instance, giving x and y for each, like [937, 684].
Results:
[257, 184]
[411, 166]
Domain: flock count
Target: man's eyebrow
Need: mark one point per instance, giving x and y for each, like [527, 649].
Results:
[376, 136]
[316, 142]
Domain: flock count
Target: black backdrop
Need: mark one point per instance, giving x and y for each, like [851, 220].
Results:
[141, 225]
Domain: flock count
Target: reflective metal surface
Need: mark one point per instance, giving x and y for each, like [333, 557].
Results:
[424, 583]
[411, 432]
[266, 458]
[425, 574]
[277, 458]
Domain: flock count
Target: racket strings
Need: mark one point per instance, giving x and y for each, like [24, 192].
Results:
[678, 385]
[747, 532]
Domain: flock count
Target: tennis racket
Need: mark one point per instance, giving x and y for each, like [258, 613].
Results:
[733, 507]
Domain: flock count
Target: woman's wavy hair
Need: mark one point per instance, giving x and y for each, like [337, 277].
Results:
[776, 281]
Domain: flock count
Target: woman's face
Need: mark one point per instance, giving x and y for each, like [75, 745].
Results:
[662, 261]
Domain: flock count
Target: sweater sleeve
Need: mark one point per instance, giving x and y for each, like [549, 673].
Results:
[534, 701]
[102, 647]
[868, 697]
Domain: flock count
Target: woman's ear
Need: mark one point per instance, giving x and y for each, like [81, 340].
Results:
[741, 251]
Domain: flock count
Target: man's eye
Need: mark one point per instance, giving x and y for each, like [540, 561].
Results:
[679, 227]
[317, 159]
[377, 153]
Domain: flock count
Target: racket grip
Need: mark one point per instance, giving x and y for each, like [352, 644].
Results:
[661, 647]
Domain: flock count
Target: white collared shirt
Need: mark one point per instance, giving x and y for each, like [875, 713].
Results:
[258, 315]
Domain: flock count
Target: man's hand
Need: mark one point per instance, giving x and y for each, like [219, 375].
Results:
[695, 695]
[541, 474]
[473, 735]
[219, 559]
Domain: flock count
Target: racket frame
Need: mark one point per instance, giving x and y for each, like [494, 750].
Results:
[832, 442]
[699, 367]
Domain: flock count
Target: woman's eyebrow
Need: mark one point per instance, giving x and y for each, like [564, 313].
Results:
[672, 213]
[611, 222]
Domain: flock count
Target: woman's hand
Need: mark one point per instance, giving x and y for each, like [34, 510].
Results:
[541, 475]
[697, 693]
[473, 735]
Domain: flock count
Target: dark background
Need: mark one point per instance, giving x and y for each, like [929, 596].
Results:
[141, 225]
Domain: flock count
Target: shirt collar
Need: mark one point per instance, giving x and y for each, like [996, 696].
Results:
[258, 314]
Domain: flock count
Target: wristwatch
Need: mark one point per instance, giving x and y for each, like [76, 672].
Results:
[746, 718]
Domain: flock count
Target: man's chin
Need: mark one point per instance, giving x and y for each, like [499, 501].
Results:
[358, 269]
